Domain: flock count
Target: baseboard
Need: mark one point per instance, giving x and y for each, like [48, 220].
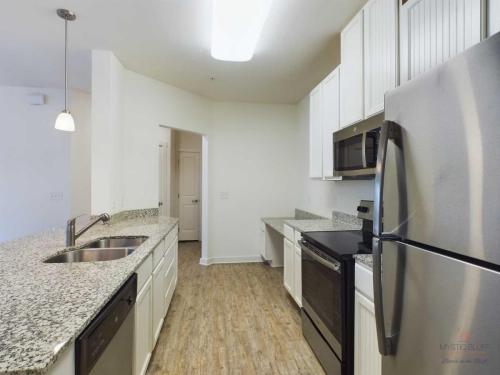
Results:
[204, 262]
[224, 260]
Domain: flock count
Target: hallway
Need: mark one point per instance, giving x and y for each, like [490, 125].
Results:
[231, 319]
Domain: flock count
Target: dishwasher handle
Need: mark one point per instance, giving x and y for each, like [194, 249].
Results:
[92, 342]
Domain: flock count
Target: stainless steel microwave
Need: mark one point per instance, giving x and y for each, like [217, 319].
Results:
[355, 151]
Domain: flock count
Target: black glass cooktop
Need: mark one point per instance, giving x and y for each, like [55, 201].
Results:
[341, 244]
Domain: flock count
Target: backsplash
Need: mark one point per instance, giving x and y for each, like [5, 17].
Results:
[305, 215]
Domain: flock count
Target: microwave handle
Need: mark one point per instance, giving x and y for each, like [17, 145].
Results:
[363, 149]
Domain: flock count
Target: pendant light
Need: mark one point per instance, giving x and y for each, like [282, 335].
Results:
[65, 121]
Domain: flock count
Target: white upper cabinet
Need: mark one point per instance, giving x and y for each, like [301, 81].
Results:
[315, 137]
[433, 31]
[330, 118]
[380, 53]
[351, 80]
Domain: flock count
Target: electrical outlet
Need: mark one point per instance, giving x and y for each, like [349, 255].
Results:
[56, 196]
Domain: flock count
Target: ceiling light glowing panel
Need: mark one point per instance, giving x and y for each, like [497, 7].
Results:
[236, 27]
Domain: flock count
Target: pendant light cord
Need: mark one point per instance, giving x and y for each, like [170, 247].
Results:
[66, 65]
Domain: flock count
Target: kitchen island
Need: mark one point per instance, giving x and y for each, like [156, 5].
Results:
[45, 306]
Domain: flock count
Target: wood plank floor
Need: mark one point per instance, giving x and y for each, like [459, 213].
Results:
[231, 319]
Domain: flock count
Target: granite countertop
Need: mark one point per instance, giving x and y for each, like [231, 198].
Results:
[339, 221]
[277, 223]
[307, 222]
[366, 259]
[46, 306]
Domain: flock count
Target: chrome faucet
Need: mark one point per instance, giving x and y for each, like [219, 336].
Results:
[72, 235]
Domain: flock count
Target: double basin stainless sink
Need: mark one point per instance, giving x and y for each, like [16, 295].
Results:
[101, 249]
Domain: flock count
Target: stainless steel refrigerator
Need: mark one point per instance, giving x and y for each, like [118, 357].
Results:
[437, 220]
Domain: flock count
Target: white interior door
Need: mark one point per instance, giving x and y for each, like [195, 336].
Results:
[163, 191]
[189, 195]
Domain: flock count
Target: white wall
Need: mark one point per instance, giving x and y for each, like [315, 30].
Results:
[79, 173]
[252, 174]
[322, 197]
[257, 159]
[187, 141]
[147, 104]
[35, 162]
[107, 133]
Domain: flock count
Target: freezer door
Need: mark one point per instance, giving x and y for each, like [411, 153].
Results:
[450, 121]
[442, 314]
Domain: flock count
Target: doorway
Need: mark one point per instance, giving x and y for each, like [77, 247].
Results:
[186, 162]
[186, 183]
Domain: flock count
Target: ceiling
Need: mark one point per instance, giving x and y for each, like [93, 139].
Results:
[169, 40]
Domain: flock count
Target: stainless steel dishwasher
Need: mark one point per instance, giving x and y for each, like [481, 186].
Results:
[106, 345]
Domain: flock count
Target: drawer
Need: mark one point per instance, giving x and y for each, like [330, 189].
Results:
[363, 280]
[144, 272]
[170, 282]
[171, 236]
[170, 254]
[289, 232]
[158, 253]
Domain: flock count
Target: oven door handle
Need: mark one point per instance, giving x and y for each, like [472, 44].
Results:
[331, 264]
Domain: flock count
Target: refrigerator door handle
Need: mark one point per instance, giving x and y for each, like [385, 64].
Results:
[388, 131]
[385, 344]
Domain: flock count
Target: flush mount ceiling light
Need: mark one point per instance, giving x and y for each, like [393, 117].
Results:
[236, 28]
[65, 121]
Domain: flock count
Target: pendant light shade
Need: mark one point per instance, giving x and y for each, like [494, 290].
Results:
[65, 120]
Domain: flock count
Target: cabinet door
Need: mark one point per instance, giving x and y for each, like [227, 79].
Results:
[433, 31]
[380, 52]
[367, 360]
[351, 79]
[297, 276]
[158, 299]
[330, 119]
[176, 261]
[143, 340]
[315, 146]
[288, 266]
[262, 240]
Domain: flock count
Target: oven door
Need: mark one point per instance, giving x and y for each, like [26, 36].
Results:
[322, 294]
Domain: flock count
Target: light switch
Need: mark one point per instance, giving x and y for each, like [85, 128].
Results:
[56, 196]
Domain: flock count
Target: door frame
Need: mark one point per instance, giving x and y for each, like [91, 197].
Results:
[204, 260]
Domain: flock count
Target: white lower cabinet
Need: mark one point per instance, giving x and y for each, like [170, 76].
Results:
[156, 288]
[292, 272]
[158, 299]
[297, 292]
[288, 266]
[143, 339]
[367, 360]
